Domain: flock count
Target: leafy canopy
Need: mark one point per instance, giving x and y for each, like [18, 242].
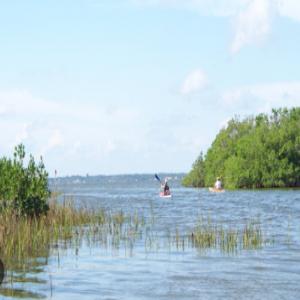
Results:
[256, 152]
[23, 189]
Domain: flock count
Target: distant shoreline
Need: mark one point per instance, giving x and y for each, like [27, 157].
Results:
[120, 175]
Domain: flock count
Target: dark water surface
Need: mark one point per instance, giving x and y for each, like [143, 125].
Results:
[272, 272]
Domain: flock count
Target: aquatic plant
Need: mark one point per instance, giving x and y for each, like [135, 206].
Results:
[206, 235]
[64, 226]
[67, 225]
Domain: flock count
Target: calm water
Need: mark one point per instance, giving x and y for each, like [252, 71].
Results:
[272, 272]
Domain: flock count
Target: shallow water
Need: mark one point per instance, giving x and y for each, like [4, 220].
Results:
[162, 272]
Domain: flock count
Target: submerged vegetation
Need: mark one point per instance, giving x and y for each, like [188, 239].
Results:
[256, 152]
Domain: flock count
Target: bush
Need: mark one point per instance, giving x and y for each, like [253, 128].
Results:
[195, 178]
[256, 152]
[23, 189]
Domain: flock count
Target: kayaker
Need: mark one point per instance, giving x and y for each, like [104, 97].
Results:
[218, 184]
[166, 187]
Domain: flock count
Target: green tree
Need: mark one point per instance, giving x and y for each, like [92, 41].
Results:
[23, 189]
[195, 178]
[257, 152]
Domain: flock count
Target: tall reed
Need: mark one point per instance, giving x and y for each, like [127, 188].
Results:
[65, 225]
[68, 226]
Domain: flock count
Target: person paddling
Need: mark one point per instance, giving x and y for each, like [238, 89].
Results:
[218, 184]
[166, 187]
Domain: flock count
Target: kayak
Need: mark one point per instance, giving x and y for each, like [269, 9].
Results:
[162, 195]
[214, 190]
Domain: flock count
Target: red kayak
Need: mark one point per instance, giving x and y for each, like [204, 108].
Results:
[165, 195]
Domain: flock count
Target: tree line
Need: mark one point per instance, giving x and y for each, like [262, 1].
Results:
[260, 151]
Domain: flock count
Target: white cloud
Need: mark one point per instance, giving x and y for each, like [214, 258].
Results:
[22, 134]
[224, 122]
[20, 102]
[289, 8]
[66, 132]
[55, 139]
[252, 25]
[262, 97]
[2, 110]
[194, 82]
[251, 19]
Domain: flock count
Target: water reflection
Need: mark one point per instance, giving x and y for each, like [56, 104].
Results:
[2, 271]
[20, 293]
[20, 281]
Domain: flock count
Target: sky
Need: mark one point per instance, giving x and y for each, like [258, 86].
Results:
[139, 86]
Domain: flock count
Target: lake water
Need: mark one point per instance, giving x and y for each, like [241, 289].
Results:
[162, 272]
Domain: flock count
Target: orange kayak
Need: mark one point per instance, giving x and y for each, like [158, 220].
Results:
[214, 190]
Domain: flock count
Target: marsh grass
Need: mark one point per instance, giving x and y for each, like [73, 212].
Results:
[66, 225]
[26, 243]
[206, 235]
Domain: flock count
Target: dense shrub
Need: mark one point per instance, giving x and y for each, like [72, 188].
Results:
[23, 189]
[196, 176]
[257, 152]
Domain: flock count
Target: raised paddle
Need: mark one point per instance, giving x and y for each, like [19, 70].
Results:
[157, 178]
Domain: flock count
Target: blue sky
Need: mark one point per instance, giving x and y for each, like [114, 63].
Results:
[133, 86]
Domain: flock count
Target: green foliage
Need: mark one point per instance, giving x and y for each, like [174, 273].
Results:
[23, 189]
[257, 152]
[196, 176]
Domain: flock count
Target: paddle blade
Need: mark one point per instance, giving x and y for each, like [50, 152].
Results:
[157, 177]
